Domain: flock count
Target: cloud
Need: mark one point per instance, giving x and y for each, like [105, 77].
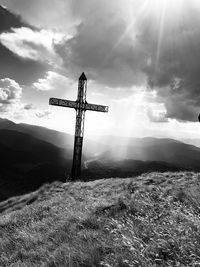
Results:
[42, 114]
[102, 48]
[12, 106]
[29, 106]
[184, 104]
[31, 44]
[156, 113]
[43, 13]
[174, 60]
[10, 91]
[119, 44]
[11, 65]
[10, 96]
[52, 81]
[110, 57]
[22, 71]
[9, 20]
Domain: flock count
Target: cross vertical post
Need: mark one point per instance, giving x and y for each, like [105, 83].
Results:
[79, 128]
[80, 105]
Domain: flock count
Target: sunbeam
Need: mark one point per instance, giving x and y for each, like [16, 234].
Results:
[160, 34]
[134, 19]
[129, 31]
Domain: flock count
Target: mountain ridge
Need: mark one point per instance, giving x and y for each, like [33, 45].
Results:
[33, 155]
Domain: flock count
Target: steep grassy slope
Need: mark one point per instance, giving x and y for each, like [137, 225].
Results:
[150, 220]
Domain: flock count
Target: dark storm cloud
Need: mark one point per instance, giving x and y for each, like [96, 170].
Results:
[21, 70]
[174, 62]
[101, 45]
[9, 20]
[43, 13]
[164, 50]
[182, 102]
[102, 48]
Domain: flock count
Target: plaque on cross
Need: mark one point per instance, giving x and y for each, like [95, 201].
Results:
[80, 105]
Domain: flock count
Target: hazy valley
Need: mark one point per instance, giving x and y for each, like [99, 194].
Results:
[32, 156]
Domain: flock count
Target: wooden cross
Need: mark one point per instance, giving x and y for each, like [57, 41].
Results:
[80, 105]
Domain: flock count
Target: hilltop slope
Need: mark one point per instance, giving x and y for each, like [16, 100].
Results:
[150, 220]
[27, 162]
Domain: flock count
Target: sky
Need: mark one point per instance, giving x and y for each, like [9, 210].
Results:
[141, 58]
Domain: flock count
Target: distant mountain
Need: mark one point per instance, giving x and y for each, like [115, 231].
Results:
[7, 124]
[154, 149]
[54, 137]
[99, 169]
[27, 162]
[32, 155]
[60, 139]
[192, 141]
[117, 148]
[39, 150]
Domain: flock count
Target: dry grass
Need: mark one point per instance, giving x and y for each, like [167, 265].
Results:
[150, 220]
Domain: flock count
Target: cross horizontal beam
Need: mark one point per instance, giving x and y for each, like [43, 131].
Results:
[94, 107]
[77, 105]
[62, 102]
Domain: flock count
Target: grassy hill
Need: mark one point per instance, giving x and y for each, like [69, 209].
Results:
[149, 220]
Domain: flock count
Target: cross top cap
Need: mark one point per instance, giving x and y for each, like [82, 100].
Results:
[83, 77]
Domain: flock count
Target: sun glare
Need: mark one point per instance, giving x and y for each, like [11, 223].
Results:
[158, 6]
